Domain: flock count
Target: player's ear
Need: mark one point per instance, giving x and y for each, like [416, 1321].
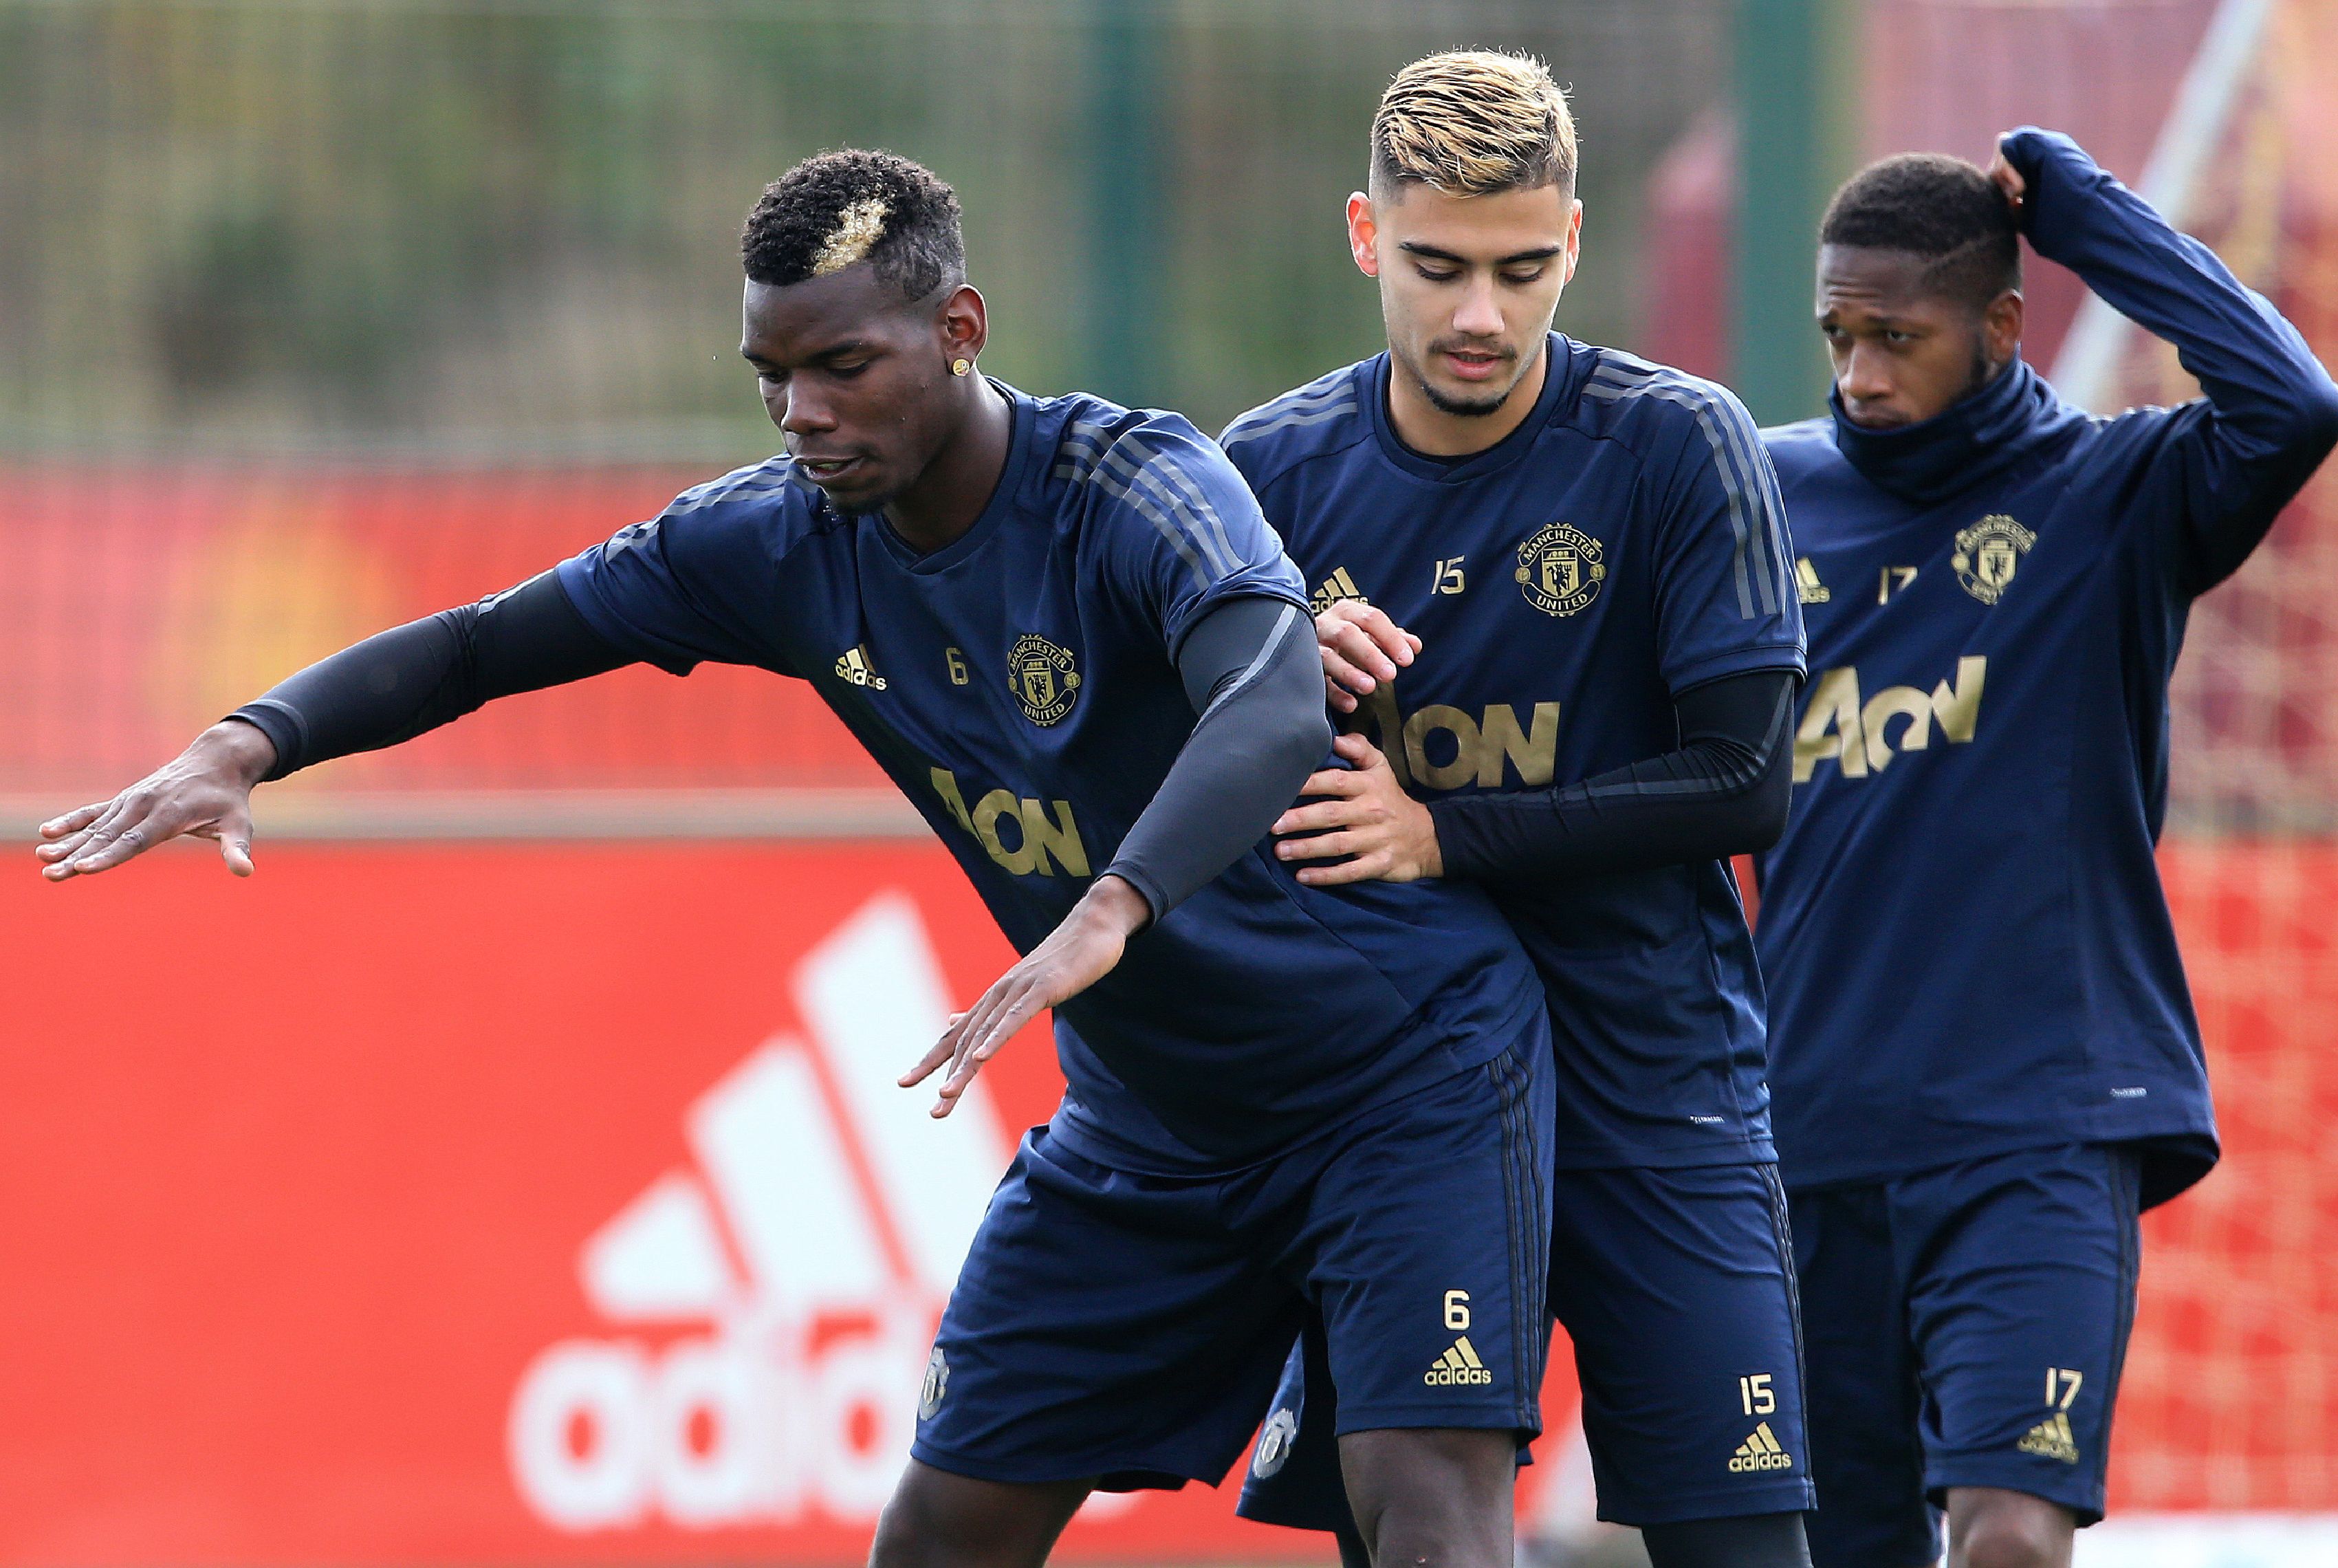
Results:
[1363, 234]
[1573, 240]
[2001, 325]
[963, 321]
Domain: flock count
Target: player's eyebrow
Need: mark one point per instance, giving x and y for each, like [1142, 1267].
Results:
[1431, 253]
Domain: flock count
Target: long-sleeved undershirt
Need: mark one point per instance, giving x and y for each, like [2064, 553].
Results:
[1724, 791]
[1249, 666]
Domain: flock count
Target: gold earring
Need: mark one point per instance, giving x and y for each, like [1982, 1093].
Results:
[960, 367]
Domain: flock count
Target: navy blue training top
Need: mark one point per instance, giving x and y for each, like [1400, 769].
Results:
[1019, 685]
[1967, 945]
[1624, 544]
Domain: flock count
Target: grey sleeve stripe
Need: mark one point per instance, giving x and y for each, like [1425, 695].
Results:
[1758, 479]
[1159, 467]
[1168, 530]
[1300, 417]
[1174, 508]
[1736, 466]
[1248, 678]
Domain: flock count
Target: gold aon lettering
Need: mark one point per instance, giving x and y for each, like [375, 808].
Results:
[1458, 1365]
[1043, 840]
[1763, 1451]
[1858, 737]
[1481, 748]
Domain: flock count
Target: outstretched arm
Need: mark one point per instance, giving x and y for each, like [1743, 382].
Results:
[2271, 411]
[1250, 671]
[386, 689]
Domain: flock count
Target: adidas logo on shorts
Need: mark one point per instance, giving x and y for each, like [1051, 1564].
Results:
[1457, 1365]
[2052, 1439]
[1763, 1451]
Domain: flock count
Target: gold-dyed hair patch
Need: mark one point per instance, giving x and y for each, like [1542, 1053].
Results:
[858, 229]
[1475, 122]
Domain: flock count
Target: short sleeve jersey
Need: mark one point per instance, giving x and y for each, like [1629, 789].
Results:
[1019, 686]
[1624, 544]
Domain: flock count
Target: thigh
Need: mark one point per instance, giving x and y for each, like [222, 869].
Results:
[2023, 1278]
[1862, 1401]
[1677, 1288]
[1117, 1328]
[1425, 1249]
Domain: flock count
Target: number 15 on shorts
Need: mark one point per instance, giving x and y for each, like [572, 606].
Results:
[1756, 1395]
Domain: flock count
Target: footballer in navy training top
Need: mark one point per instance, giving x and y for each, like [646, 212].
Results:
[1983, 1052]
[1066, 632]
[1580, 560]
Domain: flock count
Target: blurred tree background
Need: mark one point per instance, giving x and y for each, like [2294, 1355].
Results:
[507, 227]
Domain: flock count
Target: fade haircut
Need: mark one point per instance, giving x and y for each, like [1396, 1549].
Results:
[1471, 123]
[854, 205]
[1939, 208]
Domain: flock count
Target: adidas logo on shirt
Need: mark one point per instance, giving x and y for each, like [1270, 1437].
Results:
[1457, 1365]
[1332, 589]
[2052, 1439]
[853, 665]
[1807, 587]
[1763, 1451]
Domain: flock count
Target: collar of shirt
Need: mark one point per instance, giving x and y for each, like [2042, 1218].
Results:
[1562, 379]
[1973, 441]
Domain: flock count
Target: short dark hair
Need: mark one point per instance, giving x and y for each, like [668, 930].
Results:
[856, 205]
[1937, 207]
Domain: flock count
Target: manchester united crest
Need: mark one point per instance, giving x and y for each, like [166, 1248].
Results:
[1561, 570]
[1043, 678]
[1989, 553]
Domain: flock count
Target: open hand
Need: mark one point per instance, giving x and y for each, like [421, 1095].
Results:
[1369, 816]
[204, 793]
[1076, 954]
[1361, 647]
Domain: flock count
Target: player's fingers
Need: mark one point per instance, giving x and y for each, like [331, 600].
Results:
[1311, 820]
[1335, 875]
[64, 847]
[942, 1051]
[1342, 700]
[1394, 641]
[74, 821]
[88, 851]
[1361, 753]
[1341, 675]
[1359, 649]
[233, 832]
[1323, 846]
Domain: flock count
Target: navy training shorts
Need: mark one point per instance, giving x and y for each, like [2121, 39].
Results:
[1966, 1326]
[1677, 1288]
[1130, 1328]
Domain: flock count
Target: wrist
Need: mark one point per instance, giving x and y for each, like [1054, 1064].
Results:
[241, 750]
[1112, 904]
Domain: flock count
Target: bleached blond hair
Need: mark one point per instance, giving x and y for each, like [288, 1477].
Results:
[1474, 121]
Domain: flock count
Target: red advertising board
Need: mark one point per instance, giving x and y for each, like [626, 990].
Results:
[432, 1205]
[421, 1205]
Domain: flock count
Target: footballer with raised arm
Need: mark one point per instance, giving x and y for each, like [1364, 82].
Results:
[1984, 1058]
[1600, 644]
[1066, 632]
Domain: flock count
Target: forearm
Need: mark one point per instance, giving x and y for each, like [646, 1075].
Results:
[2257, 370]
[1724, 791]
[1252, 672]
[414, 678]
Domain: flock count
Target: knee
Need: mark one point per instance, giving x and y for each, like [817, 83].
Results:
[2025, 1534]
[1432, 1498]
